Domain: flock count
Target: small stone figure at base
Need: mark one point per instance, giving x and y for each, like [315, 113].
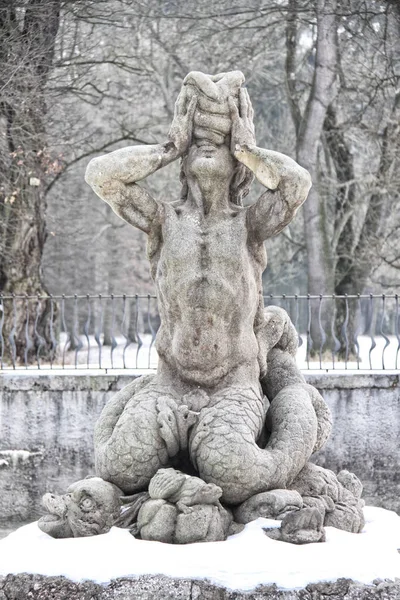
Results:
[90, 507]
[304, 526]
[183, 510]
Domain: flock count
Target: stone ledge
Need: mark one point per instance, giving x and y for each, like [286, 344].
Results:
[352, 380]
[38, 587]
[101, 382]
[68, 381]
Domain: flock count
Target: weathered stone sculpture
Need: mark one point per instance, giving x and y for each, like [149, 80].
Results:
[90, 507]
[228, 403]
[207, 256]
[305, 526]
[183, 509]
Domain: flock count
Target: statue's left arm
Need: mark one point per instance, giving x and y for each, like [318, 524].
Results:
[288, 186]
[286, 181]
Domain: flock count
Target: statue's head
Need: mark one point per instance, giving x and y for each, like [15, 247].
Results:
[89, 507]
[209, 155]
[93, 506]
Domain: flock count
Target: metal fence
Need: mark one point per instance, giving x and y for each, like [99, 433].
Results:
[108, 332]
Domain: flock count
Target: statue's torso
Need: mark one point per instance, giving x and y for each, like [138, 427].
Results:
[208, 284]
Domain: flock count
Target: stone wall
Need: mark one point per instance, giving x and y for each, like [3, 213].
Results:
[366, 432]
[157, 587]
[46, 428]
[46, 431]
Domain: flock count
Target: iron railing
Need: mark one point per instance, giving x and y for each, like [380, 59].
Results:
[352, 332]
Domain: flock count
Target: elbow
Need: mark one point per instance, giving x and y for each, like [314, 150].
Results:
[94, 175]
[99, 178]
[303, 186]
[306, 182]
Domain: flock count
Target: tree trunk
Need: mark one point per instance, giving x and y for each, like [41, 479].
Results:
[323, 90]
[27, 52]
[346, 311]
[309, 130]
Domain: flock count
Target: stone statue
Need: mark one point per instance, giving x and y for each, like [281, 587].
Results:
[228, 404]
[90, 507]
[183, 509]
[207, 256]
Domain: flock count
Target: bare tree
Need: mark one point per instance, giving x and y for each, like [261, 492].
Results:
[40, 67]
[110, 75]
[309, 125]
[28, 32]
[350, 108]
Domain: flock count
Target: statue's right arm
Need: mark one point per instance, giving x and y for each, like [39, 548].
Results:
[113, 177]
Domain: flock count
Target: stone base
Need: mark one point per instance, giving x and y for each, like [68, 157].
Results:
[38, 587]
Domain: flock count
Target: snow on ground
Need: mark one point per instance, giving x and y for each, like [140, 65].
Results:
[382, 356]
[242, 562]
[134, 356]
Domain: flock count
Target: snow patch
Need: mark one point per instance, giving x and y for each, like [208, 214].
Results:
[242, 562]
[15, 457]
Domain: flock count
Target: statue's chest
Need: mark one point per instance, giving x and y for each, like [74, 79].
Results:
[188, 235]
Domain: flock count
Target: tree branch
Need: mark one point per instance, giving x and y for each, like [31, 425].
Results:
[90, 152]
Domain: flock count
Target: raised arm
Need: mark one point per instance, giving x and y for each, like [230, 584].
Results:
[113, 177]
[287, 182]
